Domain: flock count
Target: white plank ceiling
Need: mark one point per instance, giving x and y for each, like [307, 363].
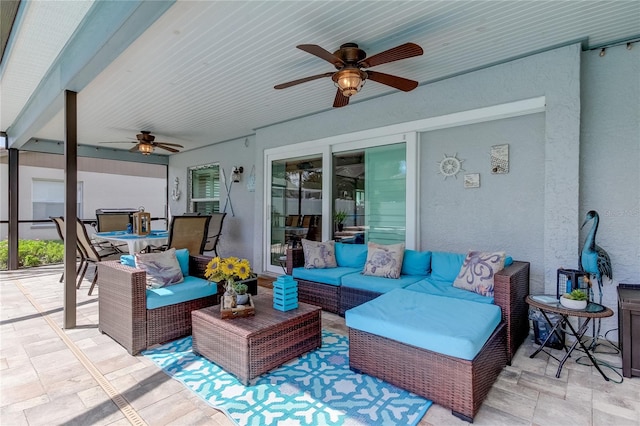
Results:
[204, 71]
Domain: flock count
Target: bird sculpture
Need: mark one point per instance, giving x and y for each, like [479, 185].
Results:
[594, 260]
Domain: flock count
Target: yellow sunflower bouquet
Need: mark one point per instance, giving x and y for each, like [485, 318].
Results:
[228, 269]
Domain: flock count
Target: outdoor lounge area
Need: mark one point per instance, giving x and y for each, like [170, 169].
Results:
[80, 376]
[416, 212]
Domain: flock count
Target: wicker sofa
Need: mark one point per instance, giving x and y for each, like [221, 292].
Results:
[511, 288]
[456, 383]
[123, 313]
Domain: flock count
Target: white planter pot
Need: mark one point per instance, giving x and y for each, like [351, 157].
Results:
[573, 304]
[242, 299]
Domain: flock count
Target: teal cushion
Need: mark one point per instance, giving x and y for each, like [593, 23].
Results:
[351, 255]
[416, 262]
[181, 254]
[446, 288]
[454, 327]
[128, 259]
[331, 276]
[378, 284]
[183, 260]
[446, 266]
[508, 261]
[190, 289]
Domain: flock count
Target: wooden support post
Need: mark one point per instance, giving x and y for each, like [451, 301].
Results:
[70, 207]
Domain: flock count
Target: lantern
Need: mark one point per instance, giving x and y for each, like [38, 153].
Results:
[141, 223]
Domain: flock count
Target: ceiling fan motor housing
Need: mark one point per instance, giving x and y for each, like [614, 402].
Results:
[350, 53]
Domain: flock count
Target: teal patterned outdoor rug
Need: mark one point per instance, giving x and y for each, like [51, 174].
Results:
[318, 388]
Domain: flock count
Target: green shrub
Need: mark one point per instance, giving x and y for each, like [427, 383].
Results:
[33, 253]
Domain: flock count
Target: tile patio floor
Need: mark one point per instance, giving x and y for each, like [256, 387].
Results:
[50, 376]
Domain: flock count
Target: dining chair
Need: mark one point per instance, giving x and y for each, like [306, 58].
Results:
[292, 220]
[188, 232]
[107, 222]
[93, 254]
[214, 232]
[60, 227]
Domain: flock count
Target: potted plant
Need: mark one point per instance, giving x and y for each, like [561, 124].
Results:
[229, 270]
[241, 289]
[339, 217]
[577, 299]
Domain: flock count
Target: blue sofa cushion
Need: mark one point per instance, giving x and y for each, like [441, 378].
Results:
[181, 254]
[454, 327]
[416, 262]
[351, 255]
[190, 289]
[377, 284]
[430, 285]
[446, 266]
[331, 276]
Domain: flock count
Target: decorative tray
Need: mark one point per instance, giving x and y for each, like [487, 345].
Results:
[239, 311]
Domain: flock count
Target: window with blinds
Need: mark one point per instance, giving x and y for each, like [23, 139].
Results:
[204, 189]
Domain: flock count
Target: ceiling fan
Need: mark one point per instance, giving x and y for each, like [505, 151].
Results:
[350, 60]
[146, 144]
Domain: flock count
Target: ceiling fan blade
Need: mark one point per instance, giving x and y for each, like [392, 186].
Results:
[400, 83]
[407, 50]
[302, 80]
[135, 148]
[340, 100]
[168, 148]
[169, 144]
[321, 53]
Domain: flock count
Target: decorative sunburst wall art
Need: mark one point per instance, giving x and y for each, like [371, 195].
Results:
[500, 159]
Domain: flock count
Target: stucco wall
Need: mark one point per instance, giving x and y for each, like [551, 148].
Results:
[507, 211]
[610, 161]
[237, 231]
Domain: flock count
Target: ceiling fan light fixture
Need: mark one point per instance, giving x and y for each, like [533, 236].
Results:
[349, 80]
[145, 149]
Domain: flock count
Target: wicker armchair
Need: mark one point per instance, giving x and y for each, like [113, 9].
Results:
[123, 313]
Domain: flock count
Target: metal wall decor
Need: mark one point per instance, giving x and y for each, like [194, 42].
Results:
[500, 159]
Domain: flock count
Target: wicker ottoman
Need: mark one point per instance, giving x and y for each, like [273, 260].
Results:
[250, 346]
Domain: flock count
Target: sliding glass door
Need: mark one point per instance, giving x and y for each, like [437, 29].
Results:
[295, 204]
[353, 192]
[369, 195]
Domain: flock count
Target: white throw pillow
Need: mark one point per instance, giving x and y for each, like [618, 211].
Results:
[162, 268]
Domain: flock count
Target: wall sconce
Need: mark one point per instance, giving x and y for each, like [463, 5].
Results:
[236, 172]
[175, 192]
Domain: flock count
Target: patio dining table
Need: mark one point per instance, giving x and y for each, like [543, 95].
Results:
[135, 242]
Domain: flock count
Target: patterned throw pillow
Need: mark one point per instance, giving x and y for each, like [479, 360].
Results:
[384, 260]
[162, 268]
[319, 255]
[478, 271]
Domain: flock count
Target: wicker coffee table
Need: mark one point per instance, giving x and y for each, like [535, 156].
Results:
[250, 346]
